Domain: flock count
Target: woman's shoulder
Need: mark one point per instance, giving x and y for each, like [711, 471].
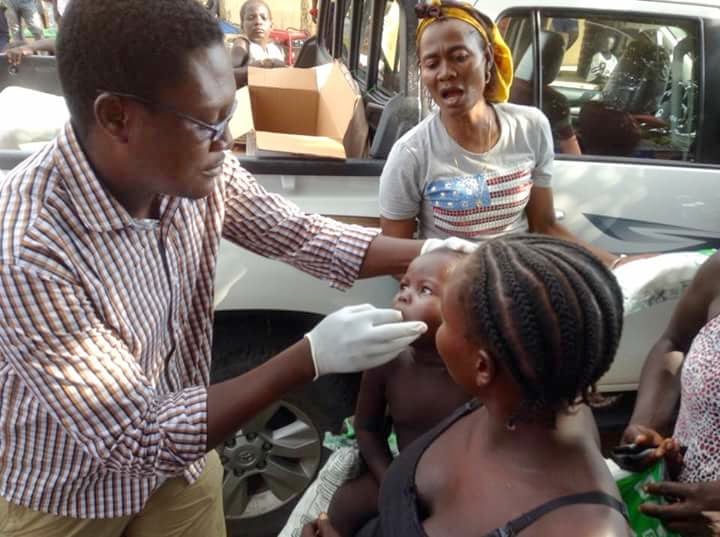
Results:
[520, 113]
[420, 134]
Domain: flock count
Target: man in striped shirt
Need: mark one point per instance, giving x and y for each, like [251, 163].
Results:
[108, 251]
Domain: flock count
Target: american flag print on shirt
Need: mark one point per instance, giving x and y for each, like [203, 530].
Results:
[473, 206]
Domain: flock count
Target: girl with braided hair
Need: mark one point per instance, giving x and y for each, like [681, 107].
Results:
[478, 167]
[530, 324]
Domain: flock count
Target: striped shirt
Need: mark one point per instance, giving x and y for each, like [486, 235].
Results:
[106, 325]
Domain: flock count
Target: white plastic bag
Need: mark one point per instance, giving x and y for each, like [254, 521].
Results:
[653, 280]
[30, 116]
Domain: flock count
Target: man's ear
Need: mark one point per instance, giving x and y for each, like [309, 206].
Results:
[111, 117]
[485, 369]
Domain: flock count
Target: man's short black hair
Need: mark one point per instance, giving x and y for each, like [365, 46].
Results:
[128, 46]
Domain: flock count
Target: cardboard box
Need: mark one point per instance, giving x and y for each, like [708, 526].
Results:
[311, 112]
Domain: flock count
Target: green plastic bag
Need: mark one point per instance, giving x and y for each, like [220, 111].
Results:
[631, 489]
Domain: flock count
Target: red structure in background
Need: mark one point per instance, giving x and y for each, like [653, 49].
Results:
[290, 40]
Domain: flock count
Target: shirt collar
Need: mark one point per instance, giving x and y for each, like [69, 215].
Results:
[98, 209]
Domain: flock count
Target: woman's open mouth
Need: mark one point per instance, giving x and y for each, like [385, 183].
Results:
[451, 95]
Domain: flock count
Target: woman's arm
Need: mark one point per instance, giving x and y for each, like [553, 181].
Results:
[540, 212]
[239, 56]
[371, 422]
[402, 229]
[659, 390]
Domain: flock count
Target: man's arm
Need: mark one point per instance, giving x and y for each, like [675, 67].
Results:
[16, 54]
[659, 389]
[86, 378]
[233, 402]
[389, 255]
[371, 422]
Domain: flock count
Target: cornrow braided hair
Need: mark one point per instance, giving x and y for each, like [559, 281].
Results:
[549, 311]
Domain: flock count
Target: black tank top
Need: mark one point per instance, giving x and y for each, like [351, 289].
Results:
[400, 510]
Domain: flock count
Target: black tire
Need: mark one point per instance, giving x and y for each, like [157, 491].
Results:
[244, 341]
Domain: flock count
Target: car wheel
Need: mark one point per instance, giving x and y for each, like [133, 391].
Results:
[276, 455]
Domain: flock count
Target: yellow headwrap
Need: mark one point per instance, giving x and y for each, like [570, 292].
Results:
[498, 89]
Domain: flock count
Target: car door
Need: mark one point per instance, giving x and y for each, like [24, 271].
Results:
[646, 177]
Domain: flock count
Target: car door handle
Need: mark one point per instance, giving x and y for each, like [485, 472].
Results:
[559, 214]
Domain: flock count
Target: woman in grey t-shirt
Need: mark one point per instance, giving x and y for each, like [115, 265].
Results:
[478, 167]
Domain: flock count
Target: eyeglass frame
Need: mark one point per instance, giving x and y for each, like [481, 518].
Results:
[217, 130]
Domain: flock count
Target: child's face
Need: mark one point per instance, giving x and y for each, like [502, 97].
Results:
[257, 23]
[421, 289]
[451, 339]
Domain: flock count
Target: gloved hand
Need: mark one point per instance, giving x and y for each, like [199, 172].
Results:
[452, 243]
[361, 337]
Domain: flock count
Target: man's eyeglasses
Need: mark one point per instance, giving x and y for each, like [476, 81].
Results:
[213, 132]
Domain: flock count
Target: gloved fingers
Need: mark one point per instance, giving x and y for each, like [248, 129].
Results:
[460, 245]
[429, 245]
[388, 333]
[381, 316]
[394, 346]
[357, 308]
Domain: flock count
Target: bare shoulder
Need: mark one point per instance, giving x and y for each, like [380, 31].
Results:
[583, 520]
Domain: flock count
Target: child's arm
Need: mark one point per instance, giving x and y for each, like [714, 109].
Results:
[370, 422]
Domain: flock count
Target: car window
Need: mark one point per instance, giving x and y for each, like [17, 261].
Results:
[365, 33]
[389, 64]
[347, 32]
[621, 86]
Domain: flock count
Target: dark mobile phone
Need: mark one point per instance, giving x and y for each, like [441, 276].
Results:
[631, 456]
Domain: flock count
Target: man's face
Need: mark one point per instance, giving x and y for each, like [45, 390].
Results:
[171, 155]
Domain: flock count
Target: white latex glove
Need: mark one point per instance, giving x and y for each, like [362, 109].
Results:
[452, 243]
[361, 337]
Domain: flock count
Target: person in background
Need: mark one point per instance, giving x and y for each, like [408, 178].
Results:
[255, 47]
[530, 323]
[411, 394]
[4, 31]
[17, 53]
[603, 62]
[682, 369]
[23, 11]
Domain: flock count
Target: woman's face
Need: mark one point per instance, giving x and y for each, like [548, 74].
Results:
[453, 65]
[257, 23]
[451, 339]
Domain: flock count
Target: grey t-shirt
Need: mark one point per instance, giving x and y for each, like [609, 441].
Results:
[454, 192]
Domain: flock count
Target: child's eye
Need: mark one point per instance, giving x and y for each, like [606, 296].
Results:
[403, 286]
[426, 290]
[460, 58]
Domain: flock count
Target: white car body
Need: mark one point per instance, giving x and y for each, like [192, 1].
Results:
[645, 206]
